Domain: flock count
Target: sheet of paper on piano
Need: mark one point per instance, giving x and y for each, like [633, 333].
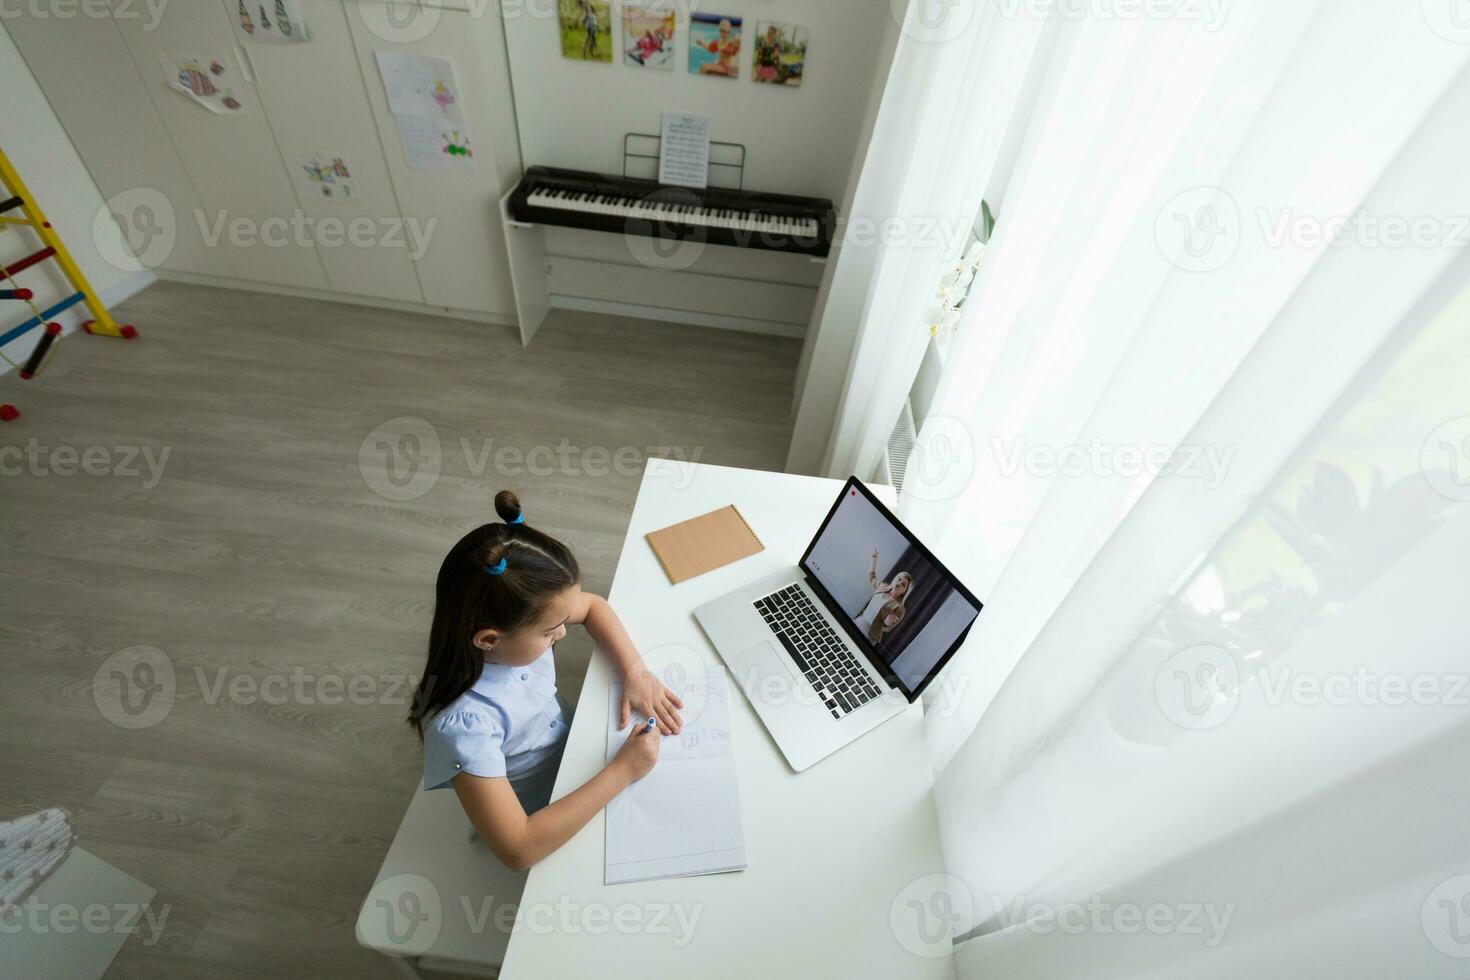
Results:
[683, 818]
[684, 150]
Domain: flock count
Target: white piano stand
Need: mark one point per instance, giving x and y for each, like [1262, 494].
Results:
[531, 268]
[529, 275]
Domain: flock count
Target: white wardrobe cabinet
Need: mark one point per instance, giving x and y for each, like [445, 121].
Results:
[315, 101]
[231, 157]
[219, 172]
[84, 68]
[465, 266]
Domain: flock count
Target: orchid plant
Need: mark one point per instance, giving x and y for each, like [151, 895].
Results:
[944, 317]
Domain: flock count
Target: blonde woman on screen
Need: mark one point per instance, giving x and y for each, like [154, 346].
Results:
[885, 607]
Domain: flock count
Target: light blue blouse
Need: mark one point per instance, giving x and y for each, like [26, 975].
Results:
[507, 723]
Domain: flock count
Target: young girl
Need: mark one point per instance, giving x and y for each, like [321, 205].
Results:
[727, 48]
[589, 21]
[487, 709]
[647, 46]
[768, 55]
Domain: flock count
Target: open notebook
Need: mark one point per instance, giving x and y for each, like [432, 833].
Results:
[683, 818]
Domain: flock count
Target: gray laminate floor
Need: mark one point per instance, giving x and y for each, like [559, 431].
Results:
[268, 570]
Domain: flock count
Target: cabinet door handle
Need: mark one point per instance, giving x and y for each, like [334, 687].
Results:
[247, 64]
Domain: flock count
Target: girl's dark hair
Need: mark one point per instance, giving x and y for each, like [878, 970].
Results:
[468, 598]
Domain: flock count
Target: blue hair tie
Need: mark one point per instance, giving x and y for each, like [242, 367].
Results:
[518, 519]
[496, 568]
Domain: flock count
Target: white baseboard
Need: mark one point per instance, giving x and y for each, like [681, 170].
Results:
[250, 285]
[126, 288]
[582, 303]
[691, 317]
[136, 282]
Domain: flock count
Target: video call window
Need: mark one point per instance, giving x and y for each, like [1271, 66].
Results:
[904, 604]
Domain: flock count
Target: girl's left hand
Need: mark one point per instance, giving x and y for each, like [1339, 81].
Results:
[646, 694]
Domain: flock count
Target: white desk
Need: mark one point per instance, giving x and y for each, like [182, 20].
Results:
[831, 850]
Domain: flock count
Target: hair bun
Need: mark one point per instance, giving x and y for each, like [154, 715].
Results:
[507, 505]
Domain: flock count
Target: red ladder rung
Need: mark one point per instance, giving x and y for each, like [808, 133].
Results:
[29, 261]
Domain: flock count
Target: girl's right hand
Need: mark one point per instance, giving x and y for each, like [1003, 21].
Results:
[639, 753]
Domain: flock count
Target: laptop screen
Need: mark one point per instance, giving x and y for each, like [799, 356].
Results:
[907, 608]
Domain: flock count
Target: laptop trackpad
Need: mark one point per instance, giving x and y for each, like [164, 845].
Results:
[767, 660]
[762, 652]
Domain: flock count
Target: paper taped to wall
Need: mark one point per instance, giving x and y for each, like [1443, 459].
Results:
[431, 144]
[423, 95]
[683, 818]
[205, 80]
[418, 85]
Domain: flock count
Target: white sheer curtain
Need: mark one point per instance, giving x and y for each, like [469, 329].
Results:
[958, 70]
[1133, 720]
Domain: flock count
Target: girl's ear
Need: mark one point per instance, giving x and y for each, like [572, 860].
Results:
[485, 639]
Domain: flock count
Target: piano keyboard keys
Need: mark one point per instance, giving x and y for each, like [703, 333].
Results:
[689, 214]
[628, 206]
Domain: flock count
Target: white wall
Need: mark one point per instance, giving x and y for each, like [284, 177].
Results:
[870, 172]
[39, 149]
[800, 140]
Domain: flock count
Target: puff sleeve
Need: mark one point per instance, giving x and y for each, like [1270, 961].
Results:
[460, 740]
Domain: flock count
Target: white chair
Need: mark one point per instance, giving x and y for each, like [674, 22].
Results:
[441, 900]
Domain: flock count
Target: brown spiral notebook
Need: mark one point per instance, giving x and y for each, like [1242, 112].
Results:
[702, 544]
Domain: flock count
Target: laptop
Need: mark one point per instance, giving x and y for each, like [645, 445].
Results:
[830, 649]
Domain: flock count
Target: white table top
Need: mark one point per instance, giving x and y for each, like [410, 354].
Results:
[76, 920]
[831, 851]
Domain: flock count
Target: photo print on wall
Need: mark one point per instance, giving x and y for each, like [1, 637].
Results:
[648, 34]
[780, 53]
[714, 45]
[586, 30]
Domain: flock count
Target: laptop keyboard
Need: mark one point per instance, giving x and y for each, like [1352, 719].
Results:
[818, 651]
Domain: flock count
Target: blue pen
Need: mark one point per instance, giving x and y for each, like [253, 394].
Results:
[649, 727]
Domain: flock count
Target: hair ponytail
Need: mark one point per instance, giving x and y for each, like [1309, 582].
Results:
[498, 576]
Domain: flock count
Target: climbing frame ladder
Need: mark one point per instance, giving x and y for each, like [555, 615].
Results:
[19, 199]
